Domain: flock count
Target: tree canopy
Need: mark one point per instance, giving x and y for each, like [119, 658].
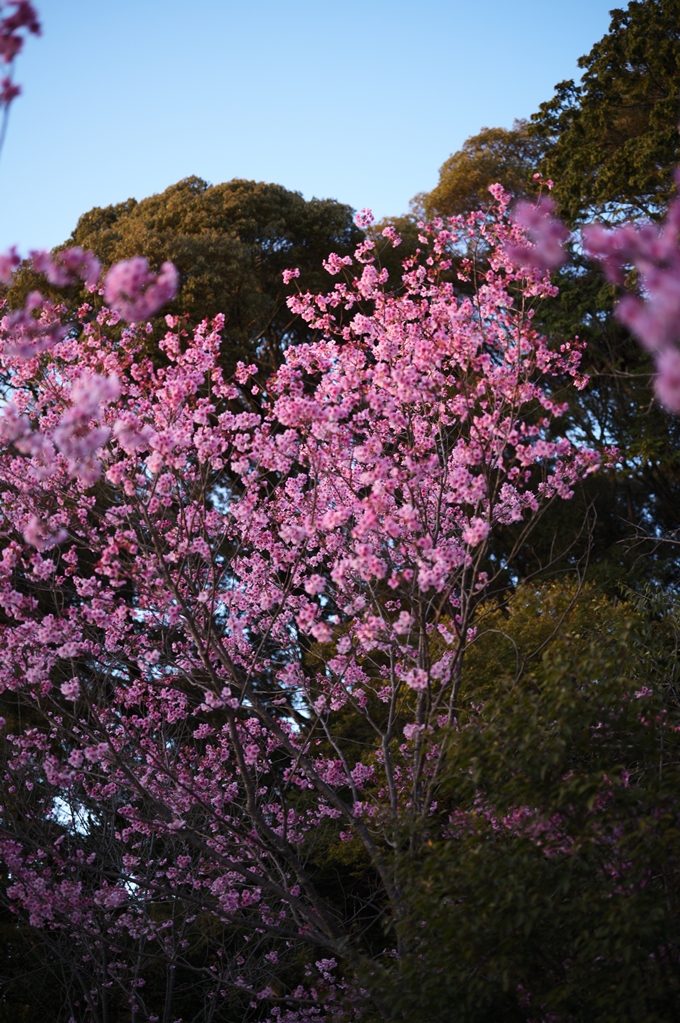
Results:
[611, 141]
[510, 156]
[230, 243]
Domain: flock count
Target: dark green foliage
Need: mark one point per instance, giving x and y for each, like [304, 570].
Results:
[611, 142]
[557, 890]
[640, 499]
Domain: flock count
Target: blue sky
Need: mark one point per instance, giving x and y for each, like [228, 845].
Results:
[356, 101]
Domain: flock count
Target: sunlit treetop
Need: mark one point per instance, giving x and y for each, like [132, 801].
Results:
[494, 154]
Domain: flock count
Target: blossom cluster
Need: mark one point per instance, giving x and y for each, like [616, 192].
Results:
[132, 291]
[654, 316]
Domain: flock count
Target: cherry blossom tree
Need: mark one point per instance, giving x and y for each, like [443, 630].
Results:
[235, 641]
[239, 636]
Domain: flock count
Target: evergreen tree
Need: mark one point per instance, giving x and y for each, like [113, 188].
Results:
[611, 141]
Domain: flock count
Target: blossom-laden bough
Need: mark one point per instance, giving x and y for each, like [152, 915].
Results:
[195, 596]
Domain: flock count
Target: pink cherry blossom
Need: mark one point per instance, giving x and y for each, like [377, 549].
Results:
[41, 536]
[476, 531]
[654, 315]
[67, 266]
[29, 331]
[23, 17]
[392, 236]
[71, 689]
[364, 218]
[655, 252]
[78, 434]
[416, 678]
[334, 263]
[9, 91]
[136, 293]
[546, 233]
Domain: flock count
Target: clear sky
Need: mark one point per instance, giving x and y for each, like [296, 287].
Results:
[359, 100]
